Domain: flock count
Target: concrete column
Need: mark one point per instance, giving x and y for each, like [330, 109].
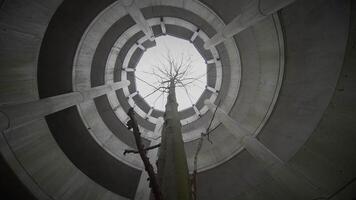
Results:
[132, 95]
[211, 89]
[149, 113]
[163, 26]
[299, 186]
[129, 69]
[138, 17]
[194, 36]
[254, 12]
[13, 116]
[197, 112]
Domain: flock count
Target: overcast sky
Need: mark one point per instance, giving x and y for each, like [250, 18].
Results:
[154, 56]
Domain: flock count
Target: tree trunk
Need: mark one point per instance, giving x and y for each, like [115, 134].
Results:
[172, 164]
[142, 151]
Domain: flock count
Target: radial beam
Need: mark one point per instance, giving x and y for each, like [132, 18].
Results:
[132, 95]
[163, 26]
[280, 171]
[254, 12]
[149, 113]
[213, 90]
[15, 115]
[137, 16]
[195, 35]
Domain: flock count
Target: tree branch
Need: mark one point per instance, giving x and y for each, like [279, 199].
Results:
[146, 149]
[141, 150]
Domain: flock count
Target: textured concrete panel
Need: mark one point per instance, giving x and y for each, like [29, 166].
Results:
[88, 156]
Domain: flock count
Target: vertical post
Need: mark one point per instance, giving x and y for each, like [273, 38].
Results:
[172, 161]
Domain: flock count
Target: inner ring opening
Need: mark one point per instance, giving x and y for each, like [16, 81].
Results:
[171, 55]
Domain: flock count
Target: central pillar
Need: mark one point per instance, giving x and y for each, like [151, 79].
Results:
[172, 164]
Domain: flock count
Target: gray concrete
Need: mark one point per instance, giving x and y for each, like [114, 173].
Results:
[309, 81]
[20, 114]
[31, 151]
[298, 185]
[327, 157]
[136, 14]
[308, 125]
[254, 12]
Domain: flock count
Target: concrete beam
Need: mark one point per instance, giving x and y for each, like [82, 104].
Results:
[210, 61]
[137, 16]
[133, 95]
[255, 11]
[141, 46]
[280, 171]
[16, 115]
[127, 69]
[197, 112]
[229, 123]
[194, 36]
[163, 26]
[213, 90]
[149, 112]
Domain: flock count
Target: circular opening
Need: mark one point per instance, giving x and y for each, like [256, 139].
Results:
[170, 56]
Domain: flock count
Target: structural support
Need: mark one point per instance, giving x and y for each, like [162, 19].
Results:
[138, 17]
[194, 36]
[16, 115]
[213, 90]
[163, 26]
[132, 95]
[299, 186]
[172, 162]
[127, 69]
[197, 112]
[253, 13]
[149, 113]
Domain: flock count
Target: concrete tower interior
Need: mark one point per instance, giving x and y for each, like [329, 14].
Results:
[283, 72]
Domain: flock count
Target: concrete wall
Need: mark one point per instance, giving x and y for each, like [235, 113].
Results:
[315, 34]
[328, 156]
[31, 150]
[311, 128]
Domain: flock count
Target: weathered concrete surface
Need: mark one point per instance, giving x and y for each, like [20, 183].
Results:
[254, 12]
[261, 54]
[22, 113]
[31, 151]
[328, 156]
[315, 35]
[22, 25]
[279, 171]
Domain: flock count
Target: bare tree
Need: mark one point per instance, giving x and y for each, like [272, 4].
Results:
[174, 182]
[178, 68]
